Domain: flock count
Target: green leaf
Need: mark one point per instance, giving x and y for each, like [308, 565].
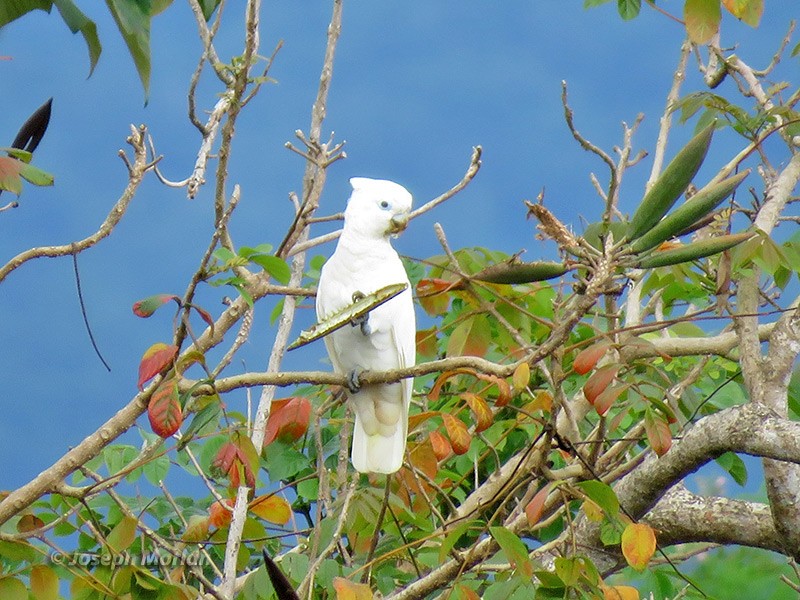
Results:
[155, 470]
[734, 466]
[275, 266]
[602, 495]
[629, 9]
[35, 175]
[452, 537]
[79, 22]
[702, 19]
[593, 3]
[515, 550]
[133, 20]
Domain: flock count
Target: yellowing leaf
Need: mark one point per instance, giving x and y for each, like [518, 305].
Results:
[44, 583]
[479, 407]
[12, 588]
[748, 11]
[592, 511]
[349, 590]
[123, 535]
[620, 592]
[702, 19]
[522, 376]
[638, 545]
[220, 515]
[466, 593]
[457, 432]
[271, 508]
[196, 529]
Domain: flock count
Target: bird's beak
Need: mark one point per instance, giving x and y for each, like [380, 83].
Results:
[398, 223]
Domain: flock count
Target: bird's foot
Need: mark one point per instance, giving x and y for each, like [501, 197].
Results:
[363, 320]
[354, 381]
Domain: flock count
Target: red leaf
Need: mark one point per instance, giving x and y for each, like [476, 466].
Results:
[147, 306]
[534, 508]
[588, 357]
[432, 295]
[156, 359]
[599, 381]
[658, 433]
[503, 388]
[483, 414]
[206, 316]
[441, 446]
[164, 409]
[288, 419]
[9, 174]
[457, 432]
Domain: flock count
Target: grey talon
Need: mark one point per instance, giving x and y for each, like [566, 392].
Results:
[363, 320]
[353, 381]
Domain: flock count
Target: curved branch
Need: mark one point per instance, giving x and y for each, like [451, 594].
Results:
[137, 169]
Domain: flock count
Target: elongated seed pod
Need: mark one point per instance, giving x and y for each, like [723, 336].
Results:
[694, 209]
[693, 251]
[670, 184]
[521, 272]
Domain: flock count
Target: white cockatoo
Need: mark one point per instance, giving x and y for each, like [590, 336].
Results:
[364, 262]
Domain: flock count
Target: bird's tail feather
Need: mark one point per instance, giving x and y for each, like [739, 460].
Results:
[378, 453]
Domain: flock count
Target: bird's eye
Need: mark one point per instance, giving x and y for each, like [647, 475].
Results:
[384, 204]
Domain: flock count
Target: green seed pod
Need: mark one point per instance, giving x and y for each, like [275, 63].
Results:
[671, 184]
[521, 272]
[693, 251]
[694, 209]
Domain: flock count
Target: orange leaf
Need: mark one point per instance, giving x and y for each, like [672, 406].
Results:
[522, 376]
[272, 508]
[620, 592]
[418, 419]
[483, 414]
[588, 357]
[658, 433]
[534, 508]
[466, 593]
[607, 398]
[638, 545]
[220, 515]
[436, 389]
[441, 446]
[164, 409]
[599, 381]
[288, 419]
[156, 358]
[426, 343]
[44, 582]
[348, 590]
[457, 432]
[432, 295]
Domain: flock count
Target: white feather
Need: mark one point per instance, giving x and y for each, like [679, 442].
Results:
[364, 261]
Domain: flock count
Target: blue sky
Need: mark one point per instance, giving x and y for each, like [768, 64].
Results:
[415, 86]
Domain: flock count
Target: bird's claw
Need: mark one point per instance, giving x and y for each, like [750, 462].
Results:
[363, 320]
[354, 381]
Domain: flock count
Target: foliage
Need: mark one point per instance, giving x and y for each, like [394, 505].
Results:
[557, 406]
